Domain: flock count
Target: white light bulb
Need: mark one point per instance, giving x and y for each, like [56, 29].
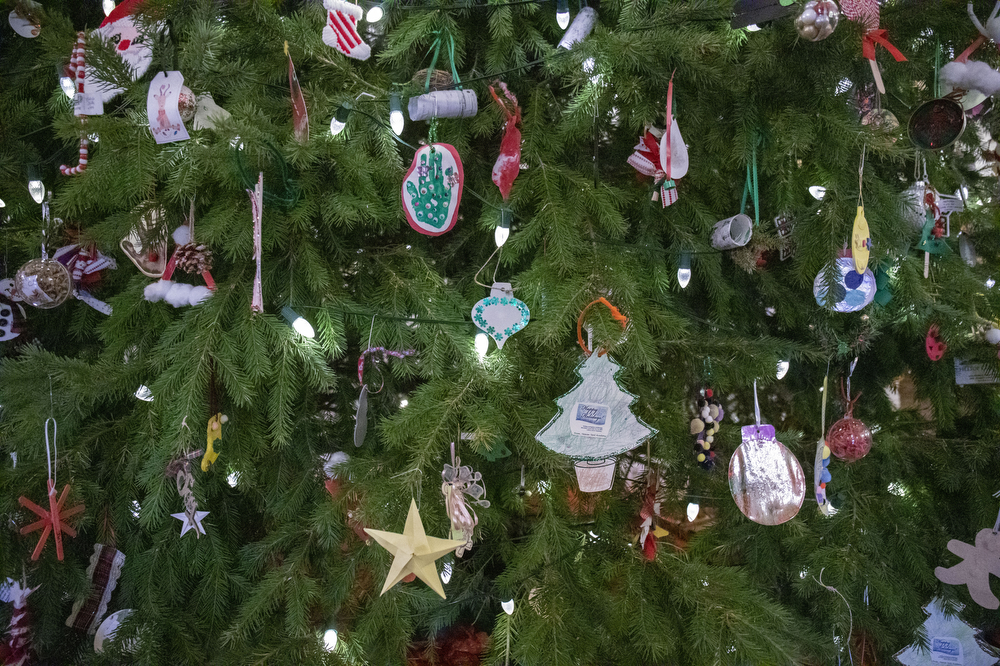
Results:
[562, 18]
[396, 121]
[336, 127]
[482, 345]
[330, 640]
[692, 511]
[303, 327]
[2, 204]
[375, 14]
[66, 83]
[782, 369]
[753, 27]
[143, 393]
[500, 235]
[37, 190]
[817, 191]
[446, 573]
[683, 277]
[233, 479]
[990, 282]
[508, 606]
[108, 6]
[403, 403]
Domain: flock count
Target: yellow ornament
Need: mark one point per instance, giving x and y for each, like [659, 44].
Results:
[861, 242]
[414, 552]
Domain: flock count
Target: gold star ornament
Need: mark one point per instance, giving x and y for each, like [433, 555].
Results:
[414, 552]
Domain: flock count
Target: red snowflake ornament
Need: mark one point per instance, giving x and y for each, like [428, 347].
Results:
[51, 520]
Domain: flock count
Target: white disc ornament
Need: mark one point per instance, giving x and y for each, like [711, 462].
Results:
[432, 189]
[106, 632]
[500, 315]
[43, 283]
[817, 20]
[23, 26]
[850, 291]
[765, 478]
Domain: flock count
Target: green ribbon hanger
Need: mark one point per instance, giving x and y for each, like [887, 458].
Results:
[436, 48]
[751, 187]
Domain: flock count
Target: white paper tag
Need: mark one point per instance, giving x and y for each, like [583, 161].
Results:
[974, 373]
[88, 104]
[32, 292]
[590, 419]
[161, 106]
[946, 650]
[95, 303]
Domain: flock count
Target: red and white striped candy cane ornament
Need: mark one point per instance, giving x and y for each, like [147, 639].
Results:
[77, 69]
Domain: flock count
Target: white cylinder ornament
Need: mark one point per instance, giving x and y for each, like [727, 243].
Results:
[580, 28]
[595, 476]
[733, 232]
[443, 104]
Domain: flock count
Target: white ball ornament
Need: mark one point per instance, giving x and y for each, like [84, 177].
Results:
[992, 336]
[818, 20]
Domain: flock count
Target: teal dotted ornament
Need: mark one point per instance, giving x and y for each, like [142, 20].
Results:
[432, 189]
[500, 315]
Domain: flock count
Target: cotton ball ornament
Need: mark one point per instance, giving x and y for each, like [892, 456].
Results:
[849, 439]
[198, 295]
[156, 291]
[179, 294]
[182, 235]
[817, 20]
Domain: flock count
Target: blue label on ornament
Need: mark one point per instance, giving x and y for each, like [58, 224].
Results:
[946, 650]
[594, 414]
[590, 419]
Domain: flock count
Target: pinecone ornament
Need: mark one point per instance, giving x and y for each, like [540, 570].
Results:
[194, 258]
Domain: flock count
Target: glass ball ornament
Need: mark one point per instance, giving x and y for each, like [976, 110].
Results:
[43, 283]
[818, 20]
[849, 439]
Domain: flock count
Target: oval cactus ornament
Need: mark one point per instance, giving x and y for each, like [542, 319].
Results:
[432, 189]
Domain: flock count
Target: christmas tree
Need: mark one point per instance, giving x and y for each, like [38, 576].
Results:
[791, 133]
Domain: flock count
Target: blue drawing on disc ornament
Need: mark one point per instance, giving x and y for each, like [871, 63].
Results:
[500, 315]
[850, 292]
[595, 421]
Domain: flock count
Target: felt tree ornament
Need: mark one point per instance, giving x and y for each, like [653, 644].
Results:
[950, 640]
[341, 31]
[594, 422]
[104, 570]
[414, 552]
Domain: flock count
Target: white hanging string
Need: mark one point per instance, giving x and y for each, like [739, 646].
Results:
[850, 372]
[49, 452]
[850, 614]
[756, 405]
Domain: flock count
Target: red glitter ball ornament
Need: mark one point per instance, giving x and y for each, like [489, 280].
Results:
[849, 439]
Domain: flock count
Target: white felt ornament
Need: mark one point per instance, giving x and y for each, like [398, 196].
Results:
[978, 562]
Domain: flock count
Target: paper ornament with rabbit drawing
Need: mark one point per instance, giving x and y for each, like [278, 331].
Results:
[161, 105]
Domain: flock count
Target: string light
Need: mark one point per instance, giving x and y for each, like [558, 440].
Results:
[782, 369]
[692, 511]
[339, 120]
[35, 186]
[482, 344]
[562, 13]
[446, 573]
[298, 322]
[396, 120]
[330, 640]
[753, 27]
[817, 192]
[508, 606]
[108, 6]
[502, 232]
[375, 14]
[684, 270]
[66, 84]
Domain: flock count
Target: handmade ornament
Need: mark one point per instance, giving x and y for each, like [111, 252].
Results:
[662, 155]
[84, 262]
[180, 471]
[580, 28]
[257, 207]
[850, 291]
[949, 640]
[432, 189]
[190, 257]
[704, 426]
[361, 417]
[162, 107]
[594, 422]
[849, 438]
[860, 242]
[120, 31]
[9, 328]
[208, 114]
[84, 105]
[106, 632]
[978, 562]
[650, 529]
[783, 224]
[818, 20]
[16, 650]
[821, 463]
[414, 552]
[334, 484]
[935, 344]
[462, 487]
[444, 104]
[974, 81]
[500, 315]
[508, 163]
[341, 31]
[52, 521]
[145, 247]
[105, 568]
[765, 478]
[24, 19]
[300, 115]
[732, 232]
[937, 123]
[456, 646]
[756, 12]
[866, 12]
[214, 432]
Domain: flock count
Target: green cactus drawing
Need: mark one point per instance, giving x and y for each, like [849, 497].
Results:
[432, 201]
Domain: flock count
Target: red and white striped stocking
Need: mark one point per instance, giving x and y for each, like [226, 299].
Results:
[341, 31]
[77, 69]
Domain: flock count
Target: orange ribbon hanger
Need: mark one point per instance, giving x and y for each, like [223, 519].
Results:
[619, 317]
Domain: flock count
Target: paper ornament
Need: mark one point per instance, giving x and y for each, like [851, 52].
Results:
[850, 291]
[594, 422]
[662, 155]
[145, 247]
[432, 189]
[24, 20]
[104, 570]
[444, 104]
[765, 478]
[106, 632]
[978, 562]
[934, 344]
[414, 552]
[52, 521]
[861, 242]
[950, 641]
[500, 315]
[208, 114]
[8, 325]
[191, 523]
[120, 31]
[300, 115]
[165, 120]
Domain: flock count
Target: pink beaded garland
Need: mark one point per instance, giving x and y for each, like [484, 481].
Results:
[849, 439]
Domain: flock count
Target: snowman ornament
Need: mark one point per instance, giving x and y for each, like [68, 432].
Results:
[120, 31]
